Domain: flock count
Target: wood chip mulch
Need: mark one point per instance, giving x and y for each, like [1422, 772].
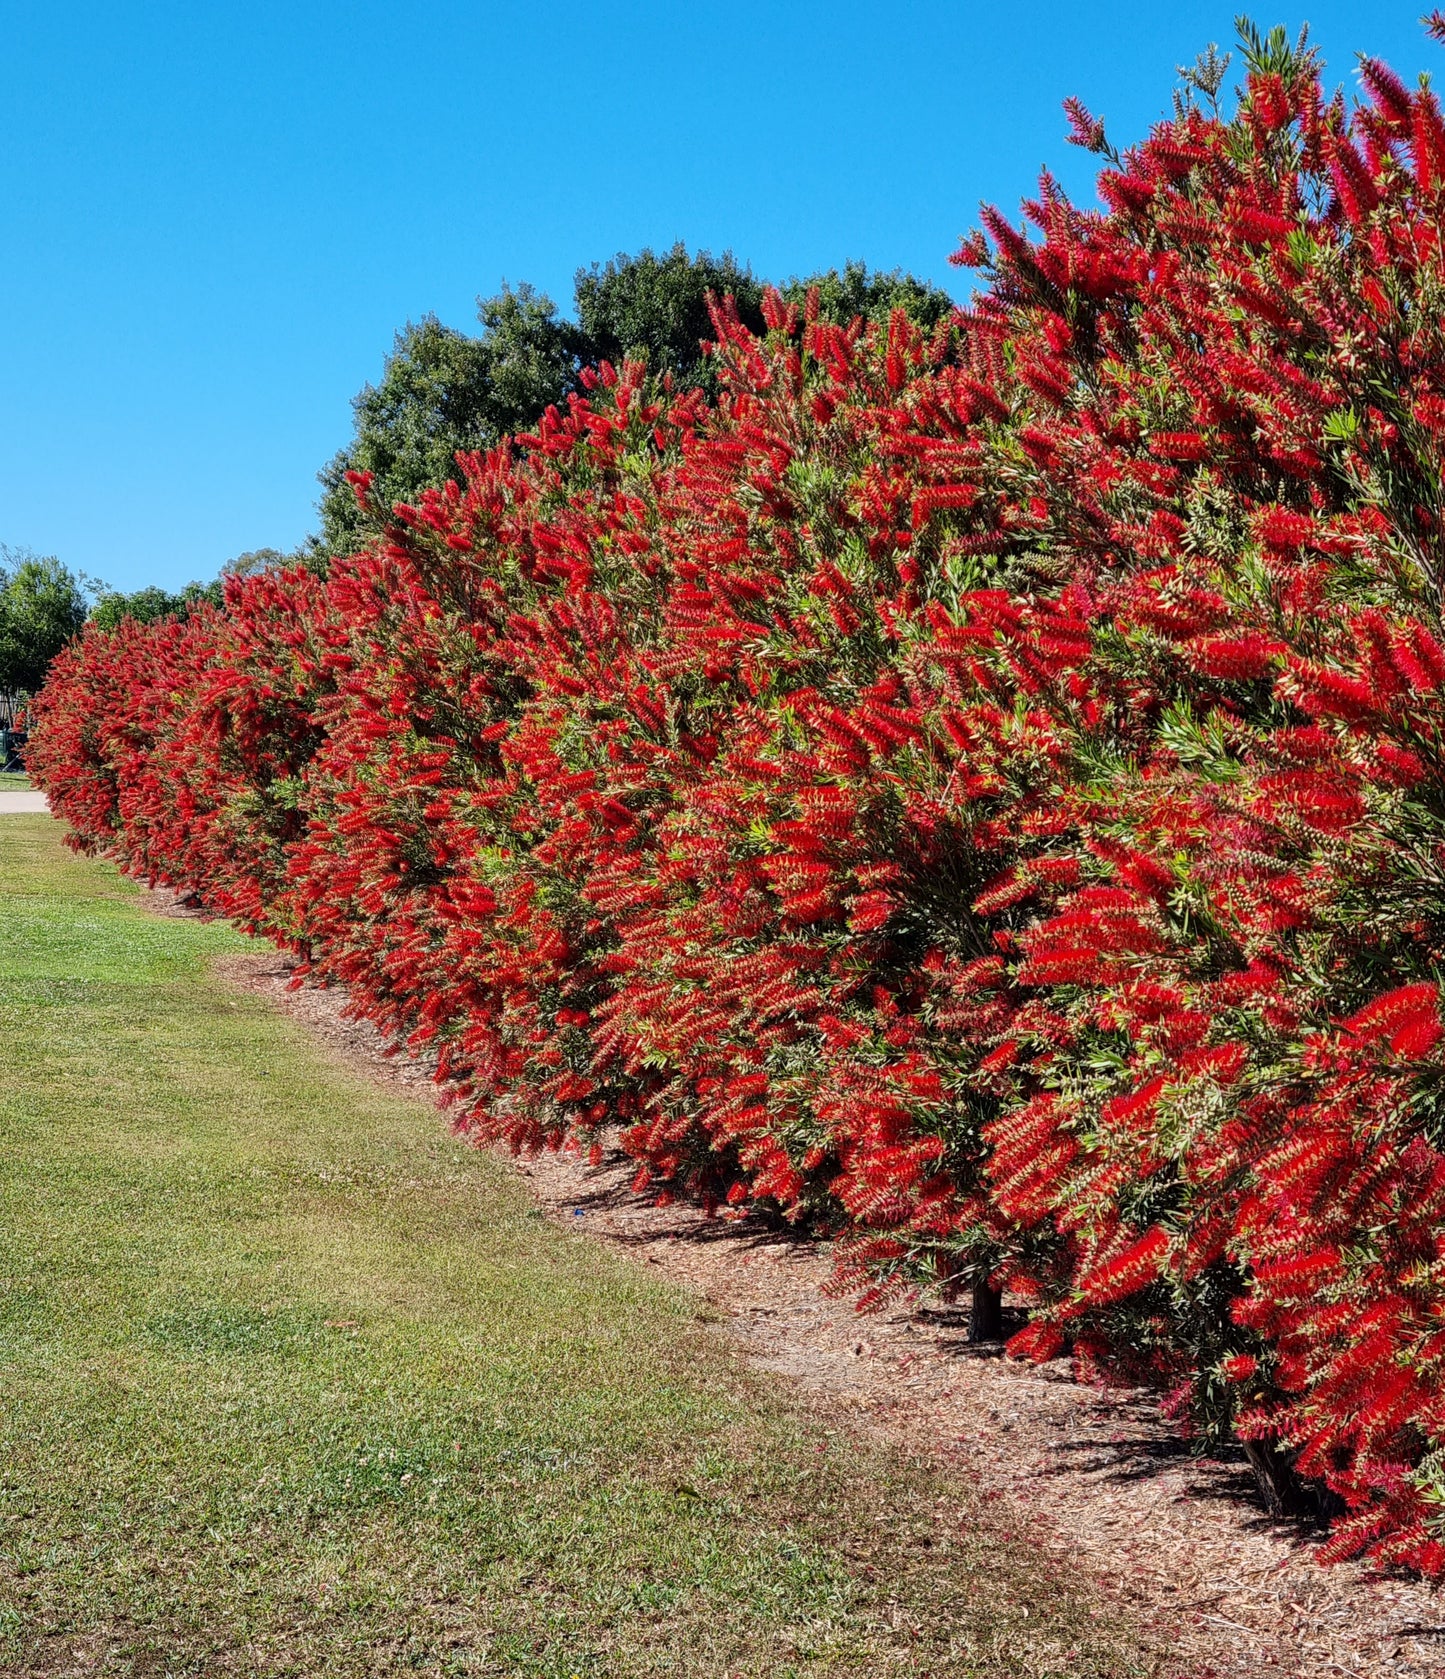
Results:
[1098, 1480]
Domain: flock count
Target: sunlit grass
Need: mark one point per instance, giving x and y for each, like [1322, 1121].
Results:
[292, 1382]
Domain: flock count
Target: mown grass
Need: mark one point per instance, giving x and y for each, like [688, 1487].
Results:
[293, 1383]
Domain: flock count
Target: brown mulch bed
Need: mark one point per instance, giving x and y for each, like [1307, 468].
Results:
[1099, 1481]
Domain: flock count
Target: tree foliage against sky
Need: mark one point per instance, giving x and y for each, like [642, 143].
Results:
[655, 308]
[41, 607]
[443, 390]
[149, 605]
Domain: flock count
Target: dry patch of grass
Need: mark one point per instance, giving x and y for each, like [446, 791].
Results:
[293, 1383]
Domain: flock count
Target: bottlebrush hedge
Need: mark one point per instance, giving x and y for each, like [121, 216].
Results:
[984, 791]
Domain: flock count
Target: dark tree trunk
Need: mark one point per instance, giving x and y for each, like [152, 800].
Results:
[1278, 1484]
[985, 1320]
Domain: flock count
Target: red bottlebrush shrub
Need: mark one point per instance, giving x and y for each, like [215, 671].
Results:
[983, 792]
[1239, 1064]
[496, 747]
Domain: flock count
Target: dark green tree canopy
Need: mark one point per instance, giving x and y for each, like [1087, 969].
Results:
[855, 291]
[442, 391]
[656, 307]
[41, 607]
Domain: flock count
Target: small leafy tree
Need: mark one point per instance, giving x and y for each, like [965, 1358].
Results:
[41, 607]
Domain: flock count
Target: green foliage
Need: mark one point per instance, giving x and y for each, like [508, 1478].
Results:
[443, 391]
[254, 560]
[1272, 54]
[144, 606]
[528, 359]
[41, 607]
[148, 605]
[855, 292]
[656, 307]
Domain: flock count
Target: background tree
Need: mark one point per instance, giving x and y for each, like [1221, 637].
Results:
[853, 291]
[148, 605]
[254, 560]
[42, 605]
[442, 391]
[144, 606]
[656, 307]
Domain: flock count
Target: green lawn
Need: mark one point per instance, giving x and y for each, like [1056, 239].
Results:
[293, 1383]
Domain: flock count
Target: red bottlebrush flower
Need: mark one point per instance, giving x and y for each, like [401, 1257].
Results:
[870, 911]
[1427, 142]
[1010, 241]
[1390, 96]
[1134, 1112]
[1282, 528]
[972, 253]
[998, 1059]
[1084, 129]
[1322, 801]
[1244, 658]
[1408, 1016]
[1400, 767]
[1259, 227]
[1120, 1275]
[1179, 445]
[1037, 1342]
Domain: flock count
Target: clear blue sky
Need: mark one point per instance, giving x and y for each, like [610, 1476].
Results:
[216, 216]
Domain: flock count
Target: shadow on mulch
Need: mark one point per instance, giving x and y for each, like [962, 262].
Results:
[757, 1230]
[1136, 1458]
[1121, 1459]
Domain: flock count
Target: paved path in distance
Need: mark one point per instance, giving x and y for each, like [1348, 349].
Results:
[16, 801]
